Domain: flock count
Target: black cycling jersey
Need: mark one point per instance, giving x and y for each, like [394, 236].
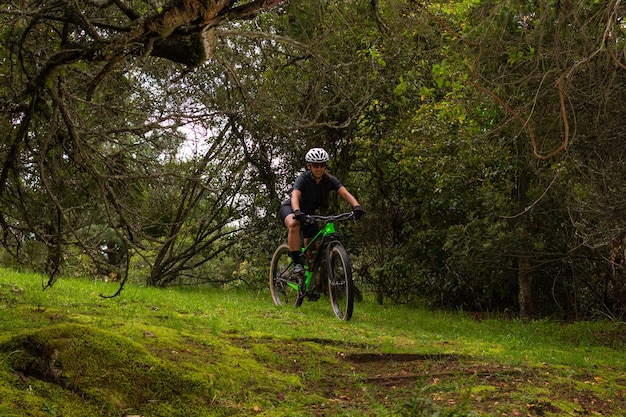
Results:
[312, 192]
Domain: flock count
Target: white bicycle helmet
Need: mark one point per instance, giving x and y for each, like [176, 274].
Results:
[316, 155]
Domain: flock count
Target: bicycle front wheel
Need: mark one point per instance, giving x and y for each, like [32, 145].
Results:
[340, 284]
[283, 283]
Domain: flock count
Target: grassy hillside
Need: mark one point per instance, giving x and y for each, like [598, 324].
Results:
[197, 352]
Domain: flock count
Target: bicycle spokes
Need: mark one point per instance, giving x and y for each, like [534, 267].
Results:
[340, 285]
[284, 286]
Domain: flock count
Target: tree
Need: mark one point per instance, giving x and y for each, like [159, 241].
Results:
[554, 71]
[292, 83]
[483, 138]
[89, 120]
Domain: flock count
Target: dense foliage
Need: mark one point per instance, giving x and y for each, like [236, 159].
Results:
[483, 138]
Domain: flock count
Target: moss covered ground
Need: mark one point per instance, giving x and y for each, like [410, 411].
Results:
[191, 352]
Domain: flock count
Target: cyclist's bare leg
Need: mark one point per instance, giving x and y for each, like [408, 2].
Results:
[293, 233]
[293, 241]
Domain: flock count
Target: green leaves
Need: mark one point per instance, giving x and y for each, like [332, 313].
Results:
[401, 87]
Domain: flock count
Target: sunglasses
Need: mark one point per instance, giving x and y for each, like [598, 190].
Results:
[318, 165]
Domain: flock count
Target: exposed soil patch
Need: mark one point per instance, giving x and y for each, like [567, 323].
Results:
[460, 384]
[397, 357]
[418, 384]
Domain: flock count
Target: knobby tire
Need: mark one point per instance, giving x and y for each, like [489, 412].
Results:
[281, 272]
[340, 284]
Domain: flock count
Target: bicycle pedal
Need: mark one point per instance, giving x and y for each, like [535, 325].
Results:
[301, 282]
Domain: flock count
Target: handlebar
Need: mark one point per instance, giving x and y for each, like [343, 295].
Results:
[312, 218]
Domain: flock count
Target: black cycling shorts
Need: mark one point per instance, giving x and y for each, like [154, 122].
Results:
[308, 230]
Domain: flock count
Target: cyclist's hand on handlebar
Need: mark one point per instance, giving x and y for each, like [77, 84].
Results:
[358, 212]
[300, 216]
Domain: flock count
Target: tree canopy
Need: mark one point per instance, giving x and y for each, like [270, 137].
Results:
[157, 139]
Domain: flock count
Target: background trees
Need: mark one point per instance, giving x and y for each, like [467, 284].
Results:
[91, 134]
[545, 59]
[483, 139]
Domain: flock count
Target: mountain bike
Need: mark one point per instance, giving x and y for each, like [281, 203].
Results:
[288, 288]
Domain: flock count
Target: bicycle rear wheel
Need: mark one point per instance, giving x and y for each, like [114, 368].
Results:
[283, 282]
[340, 284]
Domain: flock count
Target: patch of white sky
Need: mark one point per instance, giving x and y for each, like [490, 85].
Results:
[196, 143]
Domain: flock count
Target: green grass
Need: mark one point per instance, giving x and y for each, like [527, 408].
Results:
[200, 352]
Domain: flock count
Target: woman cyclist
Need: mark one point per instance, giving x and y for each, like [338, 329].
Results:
[310, 192]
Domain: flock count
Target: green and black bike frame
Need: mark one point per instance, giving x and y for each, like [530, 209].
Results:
[324, 237]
